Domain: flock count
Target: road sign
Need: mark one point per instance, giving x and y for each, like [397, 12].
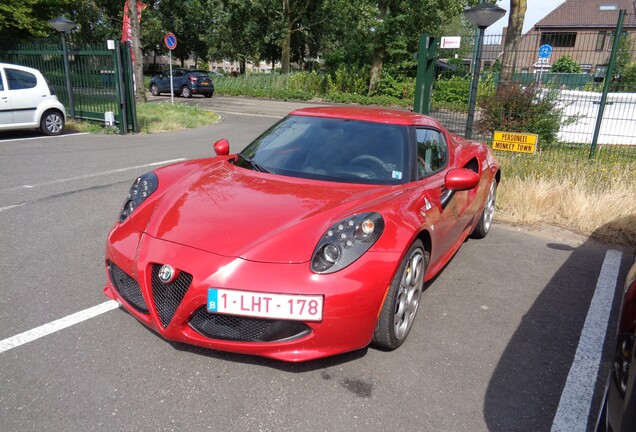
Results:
[515, 142]
[171, 41]
[545, 51]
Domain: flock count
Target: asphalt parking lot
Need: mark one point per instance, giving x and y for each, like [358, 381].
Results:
[492, 349]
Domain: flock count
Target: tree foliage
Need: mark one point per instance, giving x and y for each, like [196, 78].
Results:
[565, 64]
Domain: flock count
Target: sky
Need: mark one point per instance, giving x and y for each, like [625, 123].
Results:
[537, 9]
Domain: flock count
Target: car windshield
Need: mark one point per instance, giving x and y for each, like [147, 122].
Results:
[331, 149]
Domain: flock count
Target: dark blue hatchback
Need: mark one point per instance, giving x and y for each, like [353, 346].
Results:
[185, 82]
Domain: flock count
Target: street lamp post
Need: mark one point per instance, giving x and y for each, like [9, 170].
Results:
[64, 25]
[481, 16]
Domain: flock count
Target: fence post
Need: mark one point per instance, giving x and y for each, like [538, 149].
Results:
[607, 81]
[121, 93]
[425, 74]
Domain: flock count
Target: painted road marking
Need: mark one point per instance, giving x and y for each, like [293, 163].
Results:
[98, 174]
[57, 325]
[42, 137]
[576, 399]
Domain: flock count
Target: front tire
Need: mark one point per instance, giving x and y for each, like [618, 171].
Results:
[52, 123]
[154, 90]
[403, 299]
[485, 221]
[186, 92]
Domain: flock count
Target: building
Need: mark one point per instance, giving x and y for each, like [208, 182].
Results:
[582, 29]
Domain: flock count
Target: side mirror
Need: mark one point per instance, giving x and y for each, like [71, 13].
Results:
[458, 179]
[461, 179]
[222, 147]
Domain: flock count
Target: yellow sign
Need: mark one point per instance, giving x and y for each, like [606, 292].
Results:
[515, 142]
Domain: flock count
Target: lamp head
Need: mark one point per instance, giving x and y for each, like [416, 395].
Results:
[62, 24]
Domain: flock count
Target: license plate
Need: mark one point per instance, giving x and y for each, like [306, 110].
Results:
[205, 82]
[265, 305]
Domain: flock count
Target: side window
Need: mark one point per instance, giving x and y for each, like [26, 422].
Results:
[1, 82]
[20, 80]
[432, 151]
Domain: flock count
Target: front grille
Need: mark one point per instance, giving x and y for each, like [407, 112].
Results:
[127, 287]
[167, 297]
[245, 329]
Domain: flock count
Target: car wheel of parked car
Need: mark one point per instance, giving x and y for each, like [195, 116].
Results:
[402, 300]
[52, 123]
[186, 92]
[208, 95]
[154, 89]
[485, 221]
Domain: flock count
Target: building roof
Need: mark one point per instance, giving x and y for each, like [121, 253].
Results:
[588, 14]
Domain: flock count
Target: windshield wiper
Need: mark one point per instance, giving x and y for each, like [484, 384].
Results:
[254, 165]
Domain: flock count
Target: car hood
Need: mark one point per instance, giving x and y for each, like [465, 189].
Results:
[232, 211]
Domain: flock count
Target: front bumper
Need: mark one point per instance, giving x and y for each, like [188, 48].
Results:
[352, 298]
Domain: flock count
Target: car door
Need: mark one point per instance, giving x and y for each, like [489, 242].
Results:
[25, 93]
[442, 219]
[6, 112]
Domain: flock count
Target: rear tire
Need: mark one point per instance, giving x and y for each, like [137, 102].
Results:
[485, 221]
[52, 123]
[403, 299]
[207, 95]
[186, 92]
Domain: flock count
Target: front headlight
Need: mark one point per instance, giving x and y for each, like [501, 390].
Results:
[346, 241]
[141, 189]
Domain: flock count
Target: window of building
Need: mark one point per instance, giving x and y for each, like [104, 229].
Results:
[559, 40]
[600, 40]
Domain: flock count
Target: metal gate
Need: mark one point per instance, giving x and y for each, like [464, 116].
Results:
[101, 78]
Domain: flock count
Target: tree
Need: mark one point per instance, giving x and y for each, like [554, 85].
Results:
[565, 64]
[516, 17]
[135, 36]
[24, 19]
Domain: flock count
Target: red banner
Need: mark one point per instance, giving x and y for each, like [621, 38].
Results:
[126, 30]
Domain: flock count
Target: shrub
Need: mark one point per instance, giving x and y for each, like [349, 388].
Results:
[565, 64]
[522, 109]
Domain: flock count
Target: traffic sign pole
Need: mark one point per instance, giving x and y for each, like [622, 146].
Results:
[545, 51]
[171, 43]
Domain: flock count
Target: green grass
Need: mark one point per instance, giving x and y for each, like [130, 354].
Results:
[155, 117]
[162, 117]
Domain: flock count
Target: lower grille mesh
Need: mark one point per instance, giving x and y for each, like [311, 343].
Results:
[245, 329]
[127, 287]
[167, 297]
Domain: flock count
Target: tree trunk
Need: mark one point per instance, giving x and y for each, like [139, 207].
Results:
[376, 71]
[285, 53]
[515, 27]
[135, 30]
[378, 54]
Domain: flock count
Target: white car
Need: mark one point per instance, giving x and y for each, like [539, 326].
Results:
[27, 101]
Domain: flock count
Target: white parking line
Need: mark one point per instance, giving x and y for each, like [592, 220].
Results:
[52, 327]
[98, 174]
[576, 399]
[42, 137]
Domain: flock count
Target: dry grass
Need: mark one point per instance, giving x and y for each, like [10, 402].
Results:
[593, 199]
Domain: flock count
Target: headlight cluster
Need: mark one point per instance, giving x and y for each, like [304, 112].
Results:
[346, 241]
[141, 189]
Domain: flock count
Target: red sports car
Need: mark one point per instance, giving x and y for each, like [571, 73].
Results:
[315, 240]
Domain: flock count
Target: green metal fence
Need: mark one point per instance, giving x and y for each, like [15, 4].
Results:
[101, 78]
[593, 114]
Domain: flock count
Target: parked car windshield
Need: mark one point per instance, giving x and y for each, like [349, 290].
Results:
[331, 149]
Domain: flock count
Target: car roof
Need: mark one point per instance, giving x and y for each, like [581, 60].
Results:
[370, 114]
[25, 68]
